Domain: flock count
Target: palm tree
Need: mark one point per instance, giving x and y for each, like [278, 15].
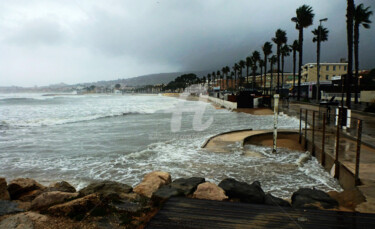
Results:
[361, 17]
[349, 32]
[261, 65]
[267, 50]
[242, 64]
[279, 39]
[320, 35]
[214, 78]
[249, 63]
[295, 48]
[231, 78]
[255, 58]
[304, 18]
[235, 68]
[285, 51]
[272, 60]
[218, 74]
[209, 79]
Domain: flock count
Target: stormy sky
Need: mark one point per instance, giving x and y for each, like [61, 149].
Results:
[46, 41]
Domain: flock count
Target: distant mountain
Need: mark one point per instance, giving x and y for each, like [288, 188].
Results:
[151, 79]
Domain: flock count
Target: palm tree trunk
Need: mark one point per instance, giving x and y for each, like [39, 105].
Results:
[235, 80]
[318, 69]
[253, 79]
[349, 28]
[271, 83]
[247, 74]
[265, 73]
[282, 71]
[300, 62]
[261, 77]
[356, 61]
[294, 68]
[278, 68]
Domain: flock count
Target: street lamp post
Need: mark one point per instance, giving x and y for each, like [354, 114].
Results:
[318, 59]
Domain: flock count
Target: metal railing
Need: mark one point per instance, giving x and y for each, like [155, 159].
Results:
[315, 124]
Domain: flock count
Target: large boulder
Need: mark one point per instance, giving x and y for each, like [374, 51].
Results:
[61, 186]
[313, 198]
[29, 196]
[77, 208]
[187, 185]
[9, 207]
[108, 190]
[152, 182]
[243, 191]
[209, 191]
[273, 200]
[164, 193]
[48, 199]
[4, 194]
[27, 220]
[20, 186]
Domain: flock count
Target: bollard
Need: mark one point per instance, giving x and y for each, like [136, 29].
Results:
[276, 111]
[323, 157]
[358, 153]
[337, 168]
[313, 135]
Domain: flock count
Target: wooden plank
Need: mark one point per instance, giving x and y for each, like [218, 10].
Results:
[194, 213]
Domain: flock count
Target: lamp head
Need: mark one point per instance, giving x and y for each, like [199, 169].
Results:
[324, 19]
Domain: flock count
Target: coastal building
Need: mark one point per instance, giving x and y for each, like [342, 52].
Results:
[327, 71]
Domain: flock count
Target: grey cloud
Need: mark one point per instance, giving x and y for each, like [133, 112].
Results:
[140, 37]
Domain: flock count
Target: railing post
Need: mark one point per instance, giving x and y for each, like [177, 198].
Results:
[323, 155]
[313, 135]
[358, 153]
[306, 130]
[300, 125]
[337, 168]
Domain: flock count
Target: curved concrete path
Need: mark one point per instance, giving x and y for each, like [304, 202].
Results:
[224, 142]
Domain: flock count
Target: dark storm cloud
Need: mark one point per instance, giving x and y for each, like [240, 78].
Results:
[96, 40]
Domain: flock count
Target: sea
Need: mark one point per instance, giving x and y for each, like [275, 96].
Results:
[86, 138]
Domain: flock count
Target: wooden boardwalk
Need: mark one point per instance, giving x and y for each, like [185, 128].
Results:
[194, 213]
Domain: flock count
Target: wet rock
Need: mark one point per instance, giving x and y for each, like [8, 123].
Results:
[109, 190]
[20, 186]
[23, 205]
[187, 185]
[244, 192]
[312, 198]
[48, 199]
[273, 200]
[23, 220]
[9, 207]
[77, 208]
[152, 182]
[164, 193]
[126, 206]
[133, 197]
[29, 196]
[209, 191]
[17, 222]
[4, 194]
[61, 186]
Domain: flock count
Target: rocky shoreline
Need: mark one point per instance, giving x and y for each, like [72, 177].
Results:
[24, 203]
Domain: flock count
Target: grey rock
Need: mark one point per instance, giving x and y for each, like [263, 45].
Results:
[187, 185]
[109, 190]
[9, 207]
[273, 200]
[240, 190]
[312, 198]
[61, 186]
